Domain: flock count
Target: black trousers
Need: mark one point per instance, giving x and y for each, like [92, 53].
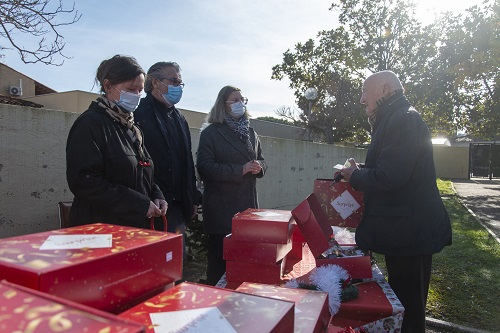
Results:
[216, 265]
[409, 277]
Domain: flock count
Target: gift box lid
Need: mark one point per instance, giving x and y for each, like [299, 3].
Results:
[244, 312]
[100, 265]
[309, 211]
[28, 310]
[312, 313]
[42, 252]
[263, 225]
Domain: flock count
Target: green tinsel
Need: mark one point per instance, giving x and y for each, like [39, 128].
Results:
[347, 294]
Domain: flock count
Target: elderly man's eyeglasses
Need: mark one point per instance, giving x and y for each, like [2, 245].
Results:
[243, 100]
[175, 81]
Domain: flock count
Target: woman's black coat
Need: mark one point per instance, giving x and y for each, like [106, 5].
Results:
[404, 213]
[220, 159]
[104, 173]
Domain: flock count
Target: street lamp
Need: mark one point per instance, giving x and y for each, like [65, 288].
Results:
[310, 95]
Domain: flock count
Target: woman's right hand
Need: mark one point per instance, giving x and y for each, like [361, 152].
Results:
[153, 211]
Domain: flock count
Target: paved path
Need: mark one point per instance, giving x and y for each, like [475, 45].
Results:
[482, 197]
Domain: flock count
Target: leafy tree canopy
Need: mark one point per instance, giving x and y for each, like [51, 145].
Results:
[276, 120]
[433, 62]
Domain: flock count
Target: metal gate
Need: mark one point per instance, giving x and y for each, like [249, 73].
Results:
[484, 160]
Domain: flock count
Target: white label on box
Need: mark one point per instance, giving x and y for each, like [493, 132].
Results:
[71, 242]
[205, 320]
[345, 204]
[169, 255]
[267, 214]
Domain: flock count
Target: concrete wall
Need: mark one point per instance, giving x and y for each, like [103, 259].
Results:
[33, 179]
[33, 168]
[451, 162]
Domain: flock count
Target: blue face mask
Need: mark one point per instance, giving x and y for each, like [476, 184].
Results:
[128, 101]
[174, 94]
[237, 110]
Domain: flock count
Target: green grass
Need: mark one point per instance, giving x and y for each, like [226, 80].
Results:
[465, 282]
[445, 187]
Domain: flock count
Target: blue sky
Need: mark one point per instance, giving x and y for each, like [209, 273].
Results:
[216, 43]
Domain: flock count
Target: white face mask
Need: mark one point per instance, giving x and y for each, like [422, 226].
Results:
[128, 101]
[237, 110]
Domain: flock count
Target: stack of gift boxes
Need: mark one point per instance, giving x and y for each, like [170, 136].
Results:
[96, 269]
[256, 249]
[119, 279]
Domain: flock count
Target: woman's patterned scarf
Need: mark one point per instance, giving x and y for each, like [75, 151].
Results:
[241, 128]
[124, 118]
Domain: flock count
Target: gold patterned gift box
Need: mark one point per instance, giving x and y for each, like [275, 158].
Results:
[29, 311]
[191, 306]
[104, 266]
[312, 314]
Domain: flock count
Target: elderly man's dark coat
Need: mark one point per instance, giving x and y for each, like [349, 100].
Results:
[220, 159]
[404, 213]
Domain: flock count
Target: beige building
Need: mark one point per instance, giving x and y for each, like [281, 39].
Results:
[19, 89]
[16, 85]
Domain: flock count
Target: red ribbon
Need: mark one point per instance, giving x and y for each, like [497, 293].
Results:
[152, 223]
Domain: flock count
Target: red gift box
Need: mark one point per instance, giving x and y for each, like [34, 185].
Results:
[297, 234]
[256, 252]
[263, 226]
[241, 271]
[28, 310]
[317, 231]
[342, 205]
[372, 305]
[312, 314]
[133, 265]
[245, 313]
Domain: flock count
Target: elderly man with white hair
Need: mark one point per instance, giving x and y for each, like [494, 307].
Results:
[404, 217]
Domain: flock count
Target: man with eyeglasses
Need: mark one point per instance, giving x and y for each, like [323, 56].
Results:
[167, 138]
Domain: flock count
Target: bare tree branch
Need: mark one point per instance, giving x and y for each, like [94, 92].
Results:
[36, 19]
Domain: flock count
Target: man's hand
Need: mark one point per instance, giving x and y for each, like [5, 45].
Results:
[347, 171]
[253, 166]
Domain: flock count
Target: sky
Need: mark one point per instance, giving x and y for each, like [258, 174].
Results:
[216, 43]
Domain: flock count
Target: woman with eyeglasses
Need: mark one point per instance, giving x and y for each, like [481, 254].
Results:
[229, 161]
[108, 169]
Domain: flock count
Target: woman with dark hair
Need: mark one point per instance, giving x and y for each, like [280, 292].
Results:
[108, 168]
[229, 161]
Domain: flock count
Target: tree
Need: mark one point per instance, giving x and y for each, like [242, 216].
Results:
[468, 64]
[373, 36]
[276, 120]
[335, 113]
[35, 19]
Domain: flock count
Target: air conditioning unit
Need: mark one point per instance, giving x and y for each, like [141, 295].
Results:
[15, 91]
